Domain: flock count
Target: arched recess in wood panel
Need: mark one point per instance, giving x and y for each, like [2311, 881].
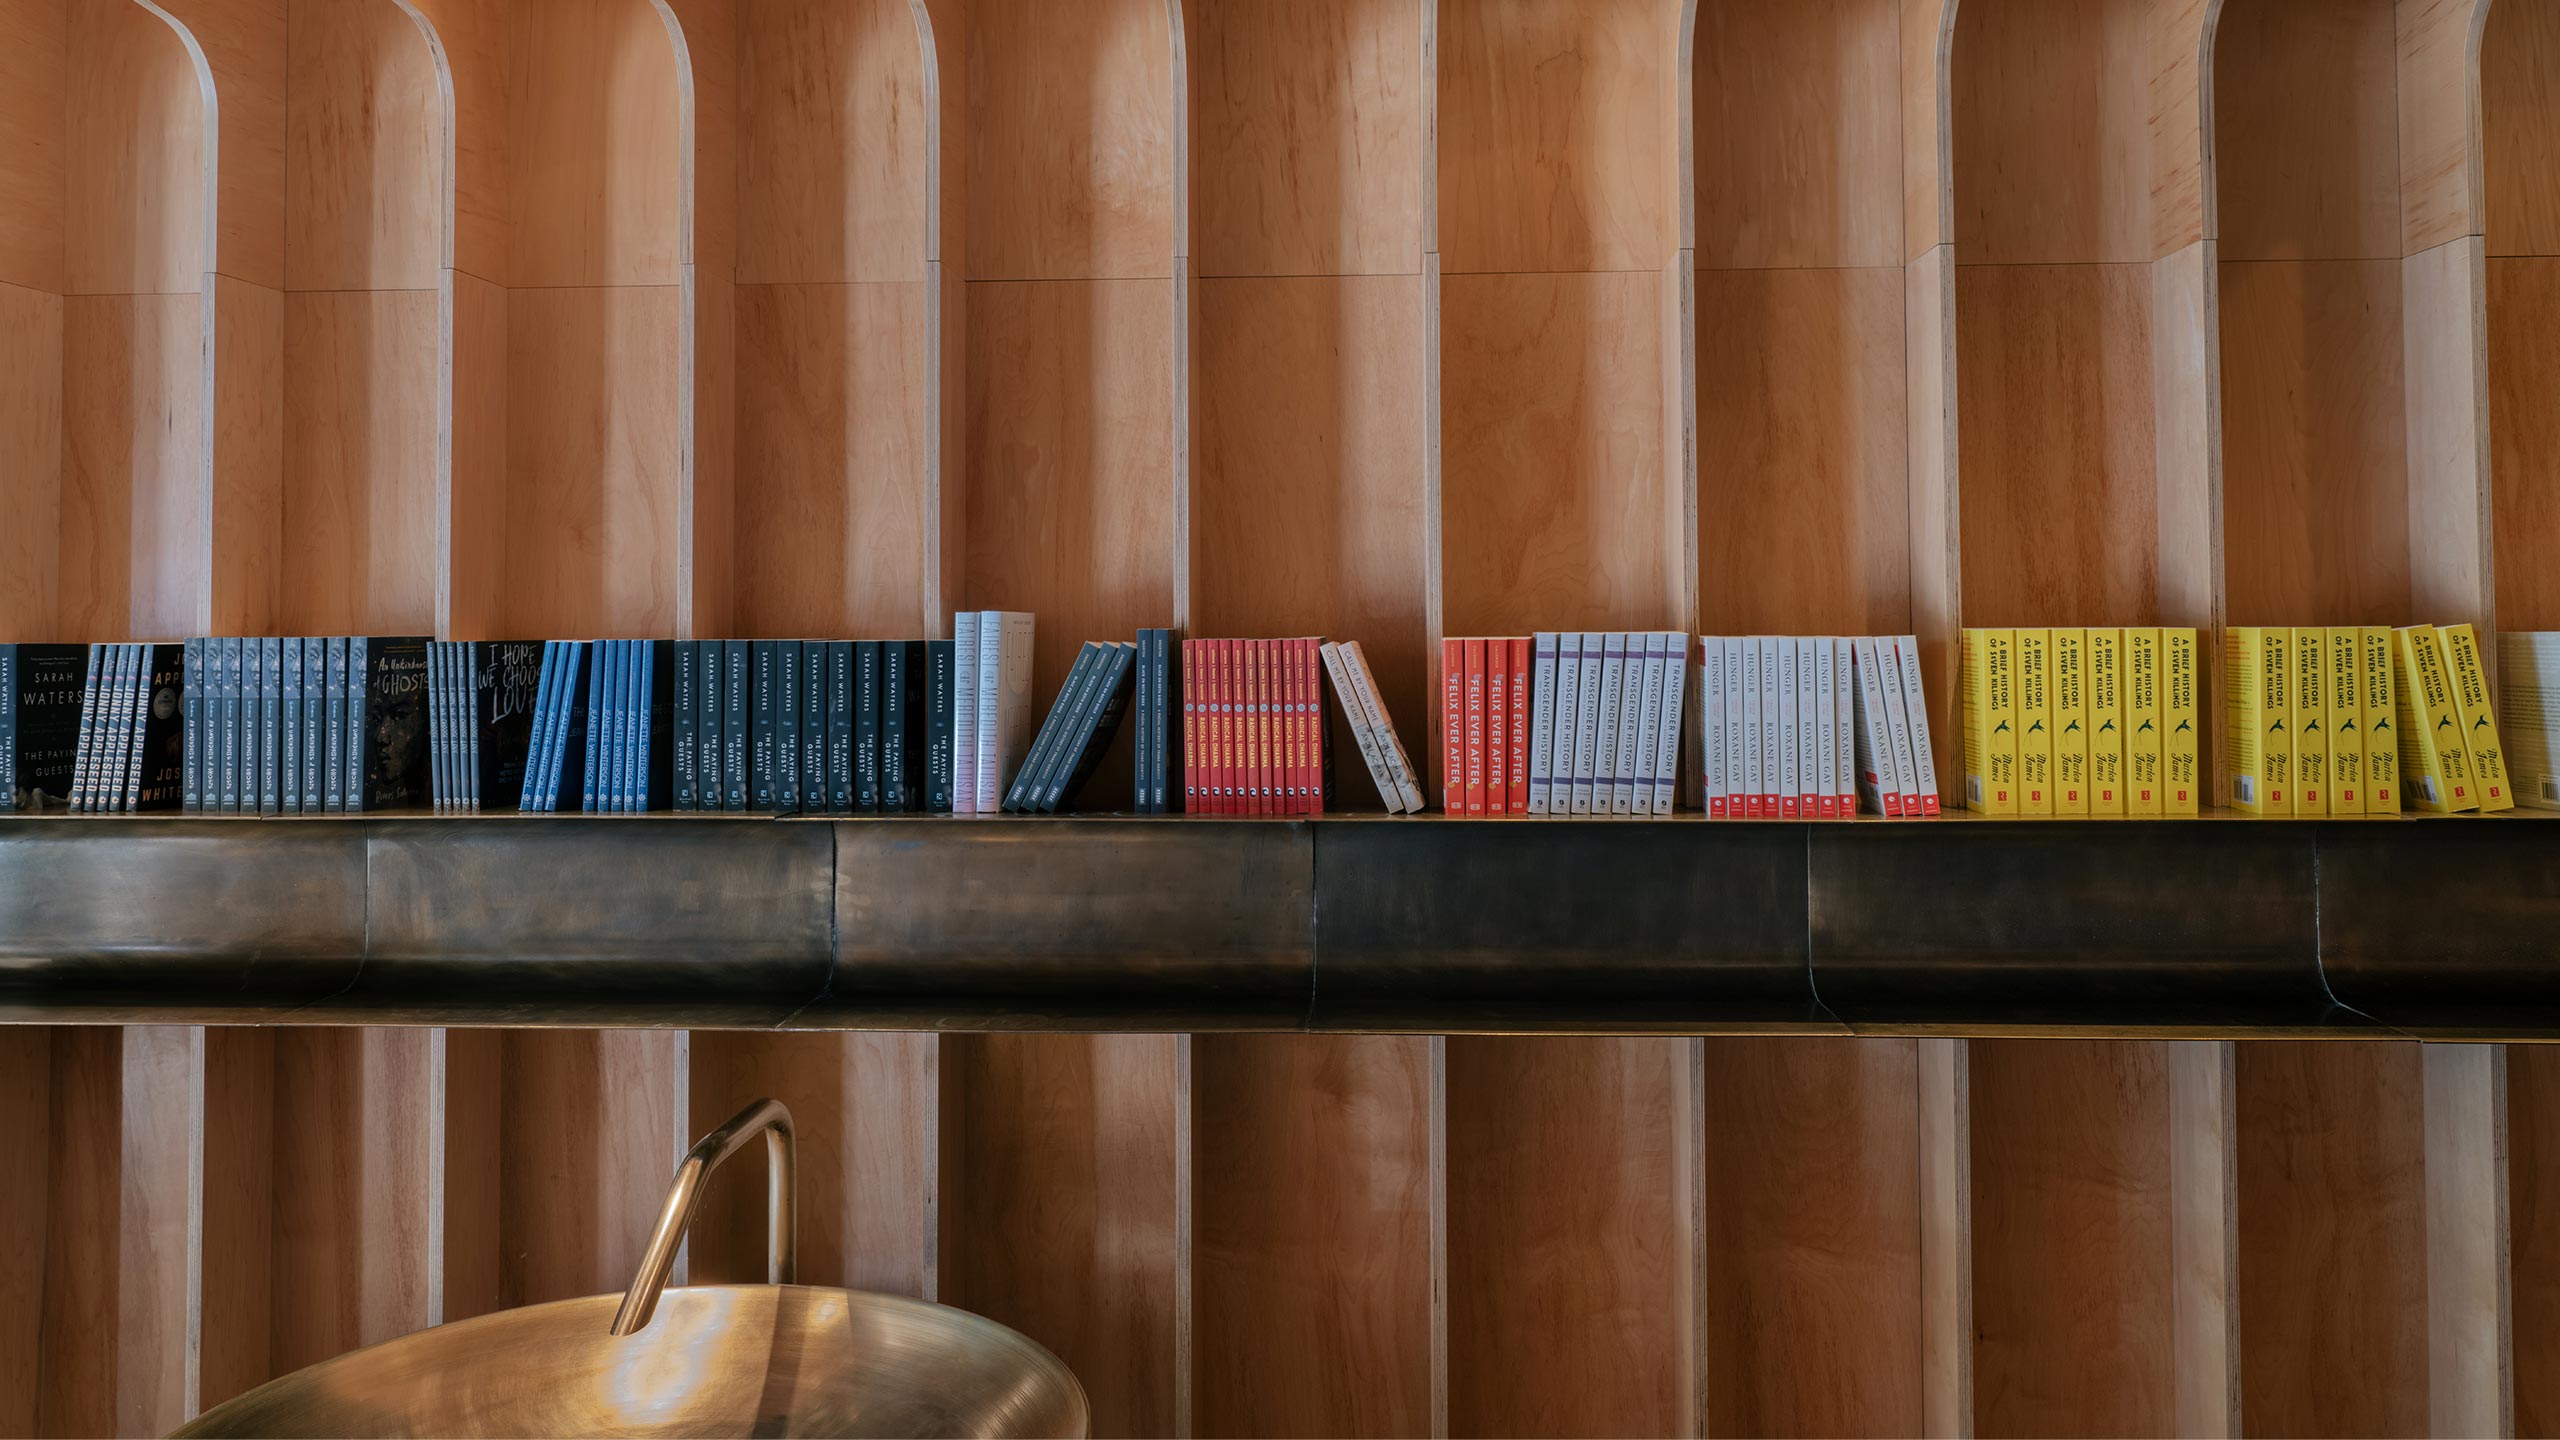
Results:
[1564, 502]
[1061, 1155]
[833, 532]
[1309, 189]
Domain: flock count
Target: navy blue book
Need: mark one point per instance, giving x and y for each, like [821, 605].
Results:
[686, 702]
[620, 670]
[533, 756]
[786, 727]
[1142, 773]
[194, 801]
[735, 667]
[763, 783]
[653, 767]
[333, 768]
[937, 726]
[1022, 795]
[840, 726]
[814, 798]
[866, 726]
[551, 724]
[629, 784]
[40, 692]
[568, 767]
[710, 744]
[1106, 704]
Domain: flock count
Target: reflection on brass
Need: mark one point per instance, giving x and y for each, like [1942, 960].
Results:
[714, 1360]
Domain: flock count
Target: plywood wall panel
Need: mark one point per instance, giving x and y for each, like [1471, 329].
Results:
[2440, 128]
[2333, 1238]
[243, 44]
[2054, 159]
[2533, 1130]
[2315, 443]
[2520, 120]
[1564, 1237]
[2524, 410]
[1312, 1261]
[2059, 519]
[133, 396]
[2305, 132]
[244, 478]
[84, 1339]
[1060, 1205]
[590, 1135]
[1803, 487]
[863, 1108]
[1799, 139]
[593, 147]
[2073, 1295]
[473, 36]
[1552, 137]
[139, 172]
[26, 1107]
[1309, 136]
[35, 80]
[1554, 498]
[1813, 1237]
[1071, 140]
[360, 461]
[31, 415]
[364, 183]
[831, 152]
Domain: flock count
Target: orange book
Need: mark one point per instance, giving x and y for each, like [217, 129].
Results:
[1453, 727]
[1310, 726]
[1475, 726]
[1231, 726]
[1518, 768]
[1191, 726]
[1497, 727]
[1266, 730]
[1293, 764]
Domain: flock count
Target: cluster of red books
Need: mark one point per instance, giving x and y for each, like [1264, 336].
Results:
[1253, 727]
[1484, 725]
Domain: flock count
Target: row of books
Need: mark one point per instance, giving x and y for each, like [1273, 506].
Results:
[2072, 721]
[1598, 734]
[1811, 727]
[480, 707]
[2360, 720]
[1080, 725]
[305, 725]
[93, 728]
[1254, 737]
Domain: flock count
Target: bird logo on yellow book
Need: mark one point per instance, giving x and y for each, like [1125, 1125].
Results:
[2483, 720]
[2345, 726]
[2310, 725]
[2183, 727]
[2000, 728]
[2147, 728]
[2445, 723]
[2382, 722]
[2073, 726]
[2104, 728]
[2038, 725]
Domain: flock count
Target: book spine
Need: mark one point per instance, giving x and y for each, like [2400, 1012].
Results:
[1755, 800]
[764, 766]
[2145, 758]
[737, 723]
[2432, 763]
[193, 800]
[650, 775]
[868, 701]
[1104, 706]
[964, 713]
[359, 712]
[790, 709]
[1675, 690]
[1711, 682]
[899, 660]
[1191, 710]
[840, 702]
[1174, 670]
[1844, 723]
[1309, 673]
[1453, 726]
[164, 731]
[1826, 686]
[1298, 795]
[137, 706]
[599, 667]
[2070, 722]
[2035, 722]
[270, 715]
[1542, 740]
[2342, 645]
[2468, 680]
[1267, 776]
[2106, 722]
[1604, 757]
[9, 729]
[1991, 736]
[1497, 728]
[1772, 686]
[1022, 793]
[1587, 798]
[1565, 722]
[1519, 737]
[1735, 768]
[1873, 750]
[1646, 740]
[1790, 803]
[2378, 707]
[2182, 760]
[937, 727]
[1471, 655]
[1897, 710]
[992, 779]
[632, 725]
[624, 683]
[333, 763]
[1924, 760]
[1630, 715]
[1390, 745]
[2310, 662]
[315, 722]
[1362, 736]
[688, 722]
[107, 779]
[292, 758]
[85, 751]
[439, 726]
[1142, 774]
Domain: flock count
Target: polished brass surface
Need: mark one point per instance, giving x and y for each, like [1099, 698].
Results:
[763, 1360]
[768, 1118]
[2209, 927]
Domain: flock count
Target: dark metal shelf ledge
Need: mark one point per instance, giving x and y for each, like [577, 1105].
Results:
[2210, 927]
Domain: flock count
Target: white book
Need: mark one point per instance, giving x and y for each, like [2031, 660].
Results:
[1808, 729]
[1771, 680]
[1711, 701]
[1004, 701]
[1648, 721]
[1737, 770]
[964, 713]
[1604, 770]
[1826, 770]
[1790, 712]
[1666, 744]
[1898, 720]
[1877, 783]
[1752, 795]
[2529, 703]
[1362, 734]
[1542, 721]
[1586, 720]
[1391, 749]
[1568, 709]
[1630, 725]
[1915, 700]
[1844, 722]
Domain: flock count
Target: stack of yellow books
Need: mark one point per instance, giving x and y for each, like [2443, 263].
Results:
[2360, 720]
[2096, 722]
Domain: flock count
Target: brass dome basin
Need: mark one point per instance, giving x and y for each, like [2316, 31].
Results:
[761, 1360]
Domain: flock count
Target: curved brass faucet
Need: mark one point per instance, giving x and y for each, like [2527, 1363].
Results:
[768, 1118]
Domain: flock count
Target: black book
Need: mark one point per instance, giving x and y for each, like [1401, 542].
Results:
[901, 725]
[840, 726]
[937, 726]
[735, 722]
[315, 719]
[1169, 758]
[194, 700]
[1106, 703]
[763, 784]
[387, 722]
[786, 726]
[506, 677]
[333, 764]
[40, 694]
[158, 781]
[1072, 711]
[866, 726]
[814, 799]
[270, 723]
[290, 761]
[686, 703]
[1022, 795]
[710, 745]
[653, 763]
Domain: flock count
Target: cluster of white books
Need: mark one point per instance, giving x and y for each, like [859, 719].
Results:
[1804, 727]
[1604, 727]
[990, 706]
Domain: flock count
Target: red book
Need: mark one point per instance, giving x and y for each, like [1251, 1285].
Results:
[1266, 746]
[1213, 727]
[1293, 765]
[1453, 727]
[1191, 726]
[1475, 727]
[1230, 722]
[1249, 725]
[1497, 727]
[1519, 770]
[1310, 725]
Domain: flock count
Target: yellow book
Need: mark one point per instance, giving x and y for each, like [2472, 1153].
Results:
[2183, 759]
[2035, 722]
[2479, 721]
[2144, 757]
[2340, 649]
[2070, 722]
[2310, 722]
[2257, 723]
[2106, 722]
[1990, 722]
[2380, 712]
[2433, 766]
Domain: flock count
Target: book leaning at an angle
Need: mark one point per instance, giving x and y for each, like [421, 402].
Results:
[1408, 781]
[1924, 777]
[2468, 680]
[1363, 736]
[2435, 766]
[1879, 781]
